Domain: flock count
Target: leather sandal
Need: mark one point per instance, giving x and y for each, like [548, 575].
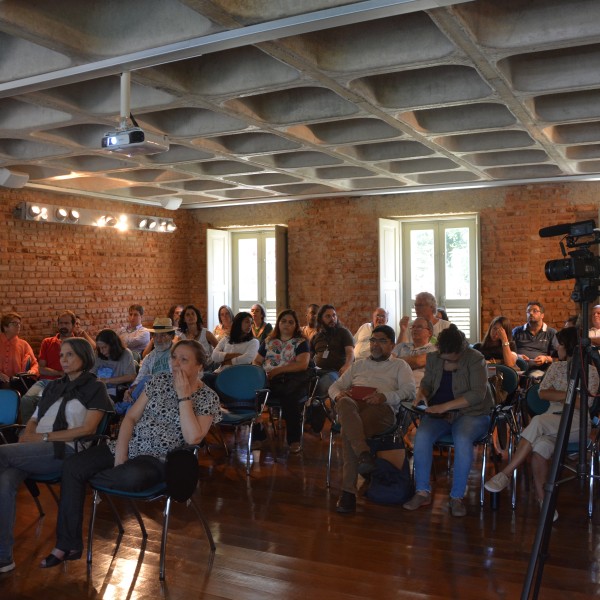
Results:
[52, 560]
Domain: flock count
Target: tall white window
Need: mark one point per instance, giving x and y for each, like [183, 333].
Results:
[254, 271]
[441, 256]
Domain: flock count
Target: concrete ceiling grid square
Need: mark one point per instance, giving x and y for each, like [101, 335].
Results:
[276, 101]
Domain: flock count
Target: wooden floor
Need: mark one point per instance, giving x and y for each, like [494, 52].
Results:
[278, 537]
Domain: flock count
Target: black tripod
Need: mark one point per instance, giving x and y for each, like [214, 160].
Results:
[584, 355]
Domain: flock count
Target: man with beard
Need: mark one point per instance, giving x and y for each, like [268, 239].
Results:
[48, 363]
[157, 361]
[332, 347]
[367, 397]
[535, 340]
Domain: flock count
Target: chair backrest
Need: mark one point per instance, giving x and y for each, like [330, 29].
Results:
[9, 407]
[237, 385]
[510, 379]
[535, 404]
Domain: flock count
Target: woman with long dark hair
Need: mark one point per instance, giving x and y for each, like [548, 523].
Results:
[239, 347]
[285, 357]
[114, 364]
[191, 327]
[497, 345]
[70, 407]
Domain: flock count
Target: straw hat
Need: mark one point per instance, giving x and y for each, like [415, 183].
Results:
[162, 325]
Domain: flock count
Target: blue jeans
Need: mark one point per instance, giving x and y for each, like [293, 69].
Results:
[17, 462]
[326, 380]
[465, 430]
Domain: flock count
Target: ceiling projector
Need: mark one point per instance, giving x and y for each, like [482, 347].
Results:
[134, 140]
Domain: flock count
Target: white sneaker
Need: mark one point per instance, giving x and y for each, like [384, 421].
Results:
[497, 483]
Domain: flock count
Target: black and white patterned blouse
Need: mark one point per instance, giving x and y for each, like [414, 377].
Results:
[159, 429]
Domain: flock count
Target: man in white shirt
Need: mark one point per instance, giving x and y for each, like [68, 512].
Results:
[362, 348]
[134, 335]
[367, 397]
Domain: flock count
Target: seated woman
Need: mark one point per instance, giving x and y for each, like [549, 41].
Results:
[70, 407]
[497, 346]
[114, 363]
[173, 410]
[285, 357]
[260, 329]
[238, 348]
[459, 401]
[191, 328]
[223, 329]
[539, 437]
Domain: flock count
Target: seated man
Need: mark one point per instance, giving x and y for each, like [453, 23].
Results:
[16, 355]
[157, 361]
[426, 307]
[49, 364]
[415, 352]
[535, 340]
[332, 348]
[134, 335]
[363, 335]
[310, 328]
[366, 412]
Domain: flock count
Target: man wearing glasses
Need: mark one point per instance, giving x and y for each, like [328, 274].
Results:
[425, 307]
[415, 352]
[16, 355]
[367, 397]
[535, 340]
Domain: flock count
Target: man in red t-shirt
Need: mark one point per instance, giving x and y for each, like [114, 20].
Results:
[49, 364]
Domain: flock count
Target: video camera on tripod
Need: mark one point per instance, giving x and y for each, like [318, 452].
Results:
[582, 264]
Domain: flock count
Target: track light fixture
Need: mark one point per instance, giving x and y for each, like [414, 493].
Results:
[29, 211]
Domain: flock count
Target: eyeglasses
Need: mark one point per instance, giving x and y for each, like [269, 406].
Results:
[380, 341]
[15, 323]
[419, 327]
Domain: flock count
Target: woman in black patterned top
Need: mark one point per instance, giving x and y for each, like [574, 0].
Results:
[174, 409]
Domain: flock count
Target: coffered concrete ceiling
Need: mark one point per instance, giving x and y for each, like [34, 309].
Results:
[273, 100]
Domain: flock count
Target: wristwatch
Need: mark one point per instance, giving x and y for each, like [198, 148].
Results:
[506, 343]
[45, 437]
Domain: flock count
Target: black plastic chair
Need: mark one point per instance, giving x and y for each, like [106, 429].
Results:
[180, 484]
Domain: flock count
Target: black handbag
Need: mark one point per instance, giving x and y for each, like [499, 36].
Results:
[181, 473]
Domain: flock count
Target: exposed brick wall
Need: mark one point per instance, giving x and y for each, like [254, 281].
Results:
[96, 272]
[332, 245]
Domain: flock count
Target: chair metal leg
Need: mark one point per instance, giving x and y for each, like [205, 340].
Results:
[115, 513]
[483, 466]
[163, 542]
[249, 449]
[205, 524]
[594, 460]
[95, 502]
[54, 494]
[329, 453]
[138, 516]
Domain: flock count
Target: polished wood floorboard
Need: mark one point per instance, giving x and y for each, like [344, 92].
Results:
[278, 537]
